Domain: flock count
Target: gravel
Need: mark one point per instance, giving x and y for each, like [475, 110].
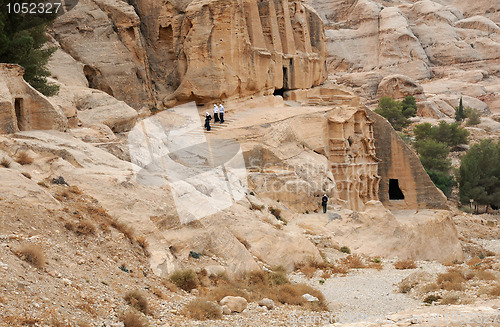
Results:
[367, 292]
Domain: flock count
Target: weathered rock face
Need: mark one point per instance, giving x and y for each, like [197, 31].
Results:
[398, 86]
[404, 184]
[105, 37]
[22, 107]
[206, 50]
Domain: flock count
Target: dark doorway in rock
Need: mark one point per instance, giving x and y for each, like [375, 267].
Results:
[279, 92]
[18, 106]
[395, 192]
[285, 77]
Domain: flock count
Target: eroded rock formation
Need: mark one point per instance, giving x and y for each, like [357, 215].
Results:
[22, 107]
[177, 51]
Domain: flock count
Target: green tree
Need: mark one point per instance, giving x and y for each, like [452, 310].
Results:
[479, 174]
[443, 180]
[409, 107]
[396, 112]
[434, 155]
[22, 40]
[459, 112]
[450, 134]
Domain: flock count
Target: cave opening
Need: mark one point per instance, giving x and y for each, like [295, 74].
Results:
[395, 192]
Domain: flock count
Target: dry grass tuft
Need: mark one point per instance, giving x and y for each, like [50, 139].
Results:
[133, 319]
[254, 206]
[185, 279]
[137, 300]
[201, 309]
[124, 228]
[85, 227]
[143, 242]
[450, 299]
[405, 264]
[23, 158]
[453, 280]
[5, 162]
[33, 254]
[353, 261]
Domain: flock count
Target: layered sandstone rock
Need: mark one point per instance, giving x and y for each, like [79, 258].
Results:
[22, 107]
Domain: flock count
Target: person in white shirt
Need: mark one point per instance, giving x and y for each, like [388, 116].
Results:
[221, 113]
[216, 113]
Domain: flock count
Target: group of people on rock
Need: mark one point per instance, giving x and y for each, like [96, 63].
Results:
[218, 116]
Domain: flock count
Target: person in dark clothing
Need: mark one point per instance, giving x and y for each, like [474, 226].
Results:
[208, 118]
[324, 202]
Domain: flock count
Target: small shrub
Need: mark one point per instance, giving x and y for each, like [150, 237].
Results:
[201, 309]
[495, 290]
[432, 298]
[405, 264]
[450, 299]
[143, 242]
[185, 279]
[353, 261]
[325, 275]
[276, 212]
[137, 300]
[33, 254]
[473, 117]
[278, 278]
[23, 158]
[452, 280]
[254, 206]
[85, 227]
[484, 275]
[133, 319]
[345, 249]
[5, 162]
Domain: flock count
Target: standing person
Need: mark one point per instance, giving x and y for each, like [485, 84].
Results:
[324, 202]
[208, 118]
[216, 113]
[221, 113]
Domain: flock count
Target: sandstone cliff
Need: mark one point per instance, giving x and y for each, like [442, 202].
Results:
[208, 50]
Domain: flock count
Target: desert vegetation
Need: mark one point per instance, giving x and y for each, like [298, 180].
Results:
[397, 112]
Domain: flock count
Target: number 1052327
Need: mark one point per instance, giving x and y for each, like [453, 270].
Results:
[33, 8]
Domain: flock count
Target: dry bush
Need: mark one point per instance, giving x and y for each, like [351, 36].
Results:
[23, 158]
[429, 299]
[169, 285]
[345, 249]
[85, 227]
[308, 270]
[133, 319]
[450, 299]
[221, 291]
[143, 242]
[124, 228]
[278, 277]
[137, 300]
[495, 290]
[352, 261]
[325, 275]
[201, 309]
[292, 294]
[254, 206]
[185, 279]
[474, 262]
[33, 254]
[26, 174]
[484, 275]
[338, 269]
[405, 264]
[75, 190]
[453, 280]
[159, 293]
[5, 162]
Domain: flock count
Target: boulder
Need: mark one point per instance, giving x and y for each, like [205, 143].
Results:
[100, 108]
[234, 303]
[268, 303]
[398, 86]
